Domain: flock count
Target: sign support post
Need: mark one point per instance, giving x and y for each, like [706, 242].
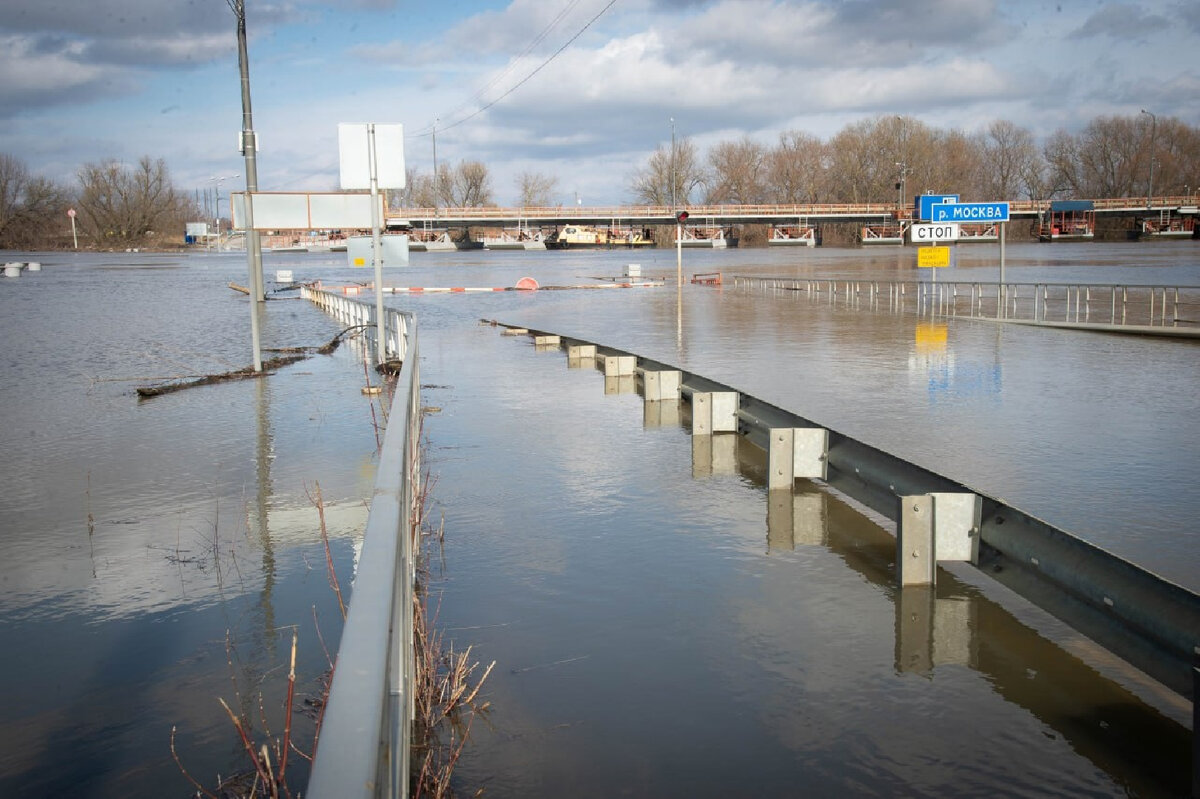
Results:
[376, 254]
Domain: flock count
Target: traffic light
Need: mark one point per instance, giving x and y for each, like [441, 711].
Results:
[681, 217]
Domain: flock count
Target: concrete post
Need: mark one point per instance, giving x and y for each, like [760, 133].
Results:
[581, 351]
[514, 331]
[797, 452]
[546, 341]
[956, 523]
[659, 386]
[916, 562]
[714, 412]
[619, 365]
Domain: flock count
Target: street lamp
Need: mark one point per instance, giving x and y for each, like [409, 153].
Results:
[217, 204]
[904, 170]
[1153, 133]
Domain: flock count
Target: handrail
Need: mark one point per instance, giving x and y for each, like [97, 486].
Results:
[1175, 308]
[366, 731]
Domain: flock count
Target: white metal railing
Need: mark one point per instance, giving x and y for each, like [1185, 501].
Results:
[1071, 303]
[353, 312]
[366, 733]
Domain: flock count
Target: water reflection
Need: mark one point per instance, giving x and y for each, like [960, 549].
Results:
[955, 624]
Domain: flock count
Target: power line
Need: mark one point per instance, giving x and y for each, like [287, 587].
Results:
[538, 69]
[512, 64]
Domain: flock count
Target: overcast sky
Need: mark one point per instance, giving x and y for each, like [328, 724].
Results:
[84, 82]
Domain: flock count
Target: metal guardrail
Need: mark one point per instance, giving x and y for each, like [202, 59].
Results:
[366, 732]
[1152, 623]
[1041, 303]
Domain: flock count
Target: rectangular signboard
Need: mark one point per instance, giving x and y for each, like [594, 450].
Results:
[934, 232]
[933, 256]
[969, 212]
[925, 203]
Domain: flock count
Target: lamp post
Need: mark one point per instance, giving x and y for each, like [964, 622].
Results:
[217, 205]
[1153, 134]
[904, 170]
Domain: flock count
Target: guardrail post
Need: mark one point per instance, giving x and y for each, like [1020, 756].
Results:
[956, 523]
[619, 365]
[546, 342]
[659, 386]
[714, 412]
[916, 558]
[580, 351]
[797, 452]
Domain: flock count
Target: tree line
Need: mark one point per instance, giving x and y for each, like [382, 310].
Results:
[117, 206]
[886, 159]
[878, 160]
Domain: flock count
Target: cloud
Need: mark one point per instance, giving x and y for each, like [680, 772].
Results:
[858, 32]
[1121, 21]
[45, 72]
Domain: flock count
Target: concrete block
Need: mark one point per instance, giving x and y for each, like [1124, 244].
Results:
[581, 351]
[702, 413]
[659, 386]
[619, 365]
[956, 524]
[547, 341]
[514, 331]
[796, 452]
[916, 562]
[724, 411]
[810, 453]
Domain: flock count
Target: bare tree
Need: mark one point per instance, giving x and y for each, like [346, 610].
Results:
[1007, 157]
[32, 209]
[652, 183]
[14, 177]
[468, 185]
[736, 175]
[536, 189]
[796, 169]
[125, 205]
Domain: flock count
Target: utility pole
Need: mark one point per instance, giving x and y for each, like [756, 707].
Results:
[436, 181]
[249, 150]
[1153, 135]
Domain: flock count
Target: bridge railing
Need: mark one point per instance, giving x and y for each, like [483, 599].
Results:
[366, 732]
[698, 211]
[1067, 303]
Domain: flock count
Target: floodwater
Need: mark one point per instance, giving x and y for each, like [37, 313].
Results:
[657, 631]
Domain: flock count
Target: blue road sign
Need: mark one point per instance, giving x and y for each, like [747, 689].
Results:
[927, 201]
[969, 212]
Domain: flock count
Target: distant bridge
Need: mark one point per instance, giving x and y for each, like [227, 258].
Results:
[766, 214]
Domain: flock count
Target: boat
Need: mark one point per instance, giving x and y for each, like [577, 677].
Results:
[519, 239]
[1069, 220]
[793, 236]
[576, 237]
[430, 240]
[1168, 226]
[980, 234]
[707, 236]
[882, 234]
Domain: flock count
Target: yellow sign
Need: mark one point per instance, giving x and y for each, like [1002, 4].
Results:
[933, 256]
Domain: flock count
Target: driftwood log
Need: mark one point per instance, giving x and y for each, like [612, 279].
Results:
[290, 355]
